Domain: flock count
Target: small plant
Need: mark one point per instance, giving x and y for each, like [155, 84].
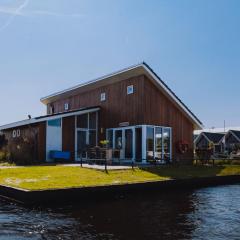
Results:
[104, 143]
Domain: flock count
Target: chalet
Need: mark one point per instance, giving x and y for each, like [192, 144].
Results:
[204, 139]
[133, 109]
[231, 140]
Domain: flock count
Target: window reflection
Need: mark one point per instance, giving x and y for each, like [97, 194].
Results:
[150, 143]
[166, 144]
[118, 139]
[158, 143]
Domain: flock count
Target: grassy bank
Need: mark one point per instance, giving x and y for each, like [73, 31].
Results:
[48, 177]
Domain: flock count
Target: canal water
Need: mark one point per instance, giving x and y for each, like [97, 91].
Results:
[208, 213]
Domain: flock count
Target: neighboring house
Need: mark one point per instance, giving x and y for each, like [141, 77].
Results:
[204, 139]
[231, 140]
[132, 108]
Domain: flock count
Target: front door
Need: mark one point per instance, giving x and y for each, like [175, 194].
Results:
[123, 142]
[81, 144]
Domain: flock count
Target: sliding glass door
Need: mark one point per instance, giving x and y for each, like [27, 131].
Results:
[158, 143]
[82, 144]
[141, 143]
[121, 140]
[86, 134]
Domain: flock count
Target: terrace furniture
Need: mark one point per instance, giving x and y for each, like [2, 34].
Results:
[99, 155]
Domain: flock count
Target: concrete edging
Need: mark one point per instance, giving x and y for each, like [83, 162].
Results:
[88, 194]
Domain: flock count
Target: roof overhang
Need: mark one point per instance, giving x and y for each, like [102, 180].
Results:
[136, 70]
[48, 117]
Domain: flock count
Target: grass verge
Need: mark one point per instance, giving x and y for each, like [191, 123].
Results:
[55, 177]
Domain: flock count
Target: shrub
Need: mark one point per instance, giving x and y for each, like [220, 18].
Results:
[23, 151]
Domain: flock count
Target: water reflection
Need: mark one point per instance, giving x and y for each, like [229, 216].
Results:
[210, 213]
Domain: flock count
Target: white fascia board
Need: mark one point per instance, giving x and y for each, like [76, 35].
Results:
[47, 118]
[44, 99]
[200, 135]
[234, 135]
[188, 113]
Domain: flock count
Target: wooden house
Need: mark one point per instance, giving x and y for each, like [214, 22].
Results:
[133, 109]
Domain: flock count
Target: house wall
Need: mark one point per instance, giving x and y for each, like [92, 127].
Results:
[118, 107]
[157, 109]
[30, 145]
[68, 134]
[148, 105]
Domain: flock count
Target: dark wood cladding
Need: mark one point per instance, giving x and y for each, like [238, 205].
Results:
[118, 107]
[68, 135]
[159, 110]
[147, 105]
[42, 142]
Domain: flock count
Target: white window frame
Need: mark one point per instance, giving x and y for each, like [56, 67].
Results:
[18, 133]
[130, 89]
[103, 97]
[144, 136]
[66, 106]
[14, 133]
[88, 129]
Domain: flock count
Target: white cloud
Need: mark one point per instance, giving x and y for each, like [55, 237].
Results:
[13, 13]
[21, 11]
[54, 14]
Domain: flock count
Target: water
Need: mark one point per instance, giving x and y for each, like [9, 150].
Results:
[209, 213]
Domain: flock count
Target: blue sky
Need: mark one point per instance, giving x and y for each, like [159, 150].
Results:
[50, 45]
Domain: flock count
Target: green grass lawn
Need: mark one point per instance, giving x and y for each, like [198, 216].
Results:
[49, 177]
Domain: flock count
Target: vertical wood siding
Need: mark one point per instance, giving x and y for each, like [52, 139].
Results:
[68, 135]
[159, 110]
[147, 105]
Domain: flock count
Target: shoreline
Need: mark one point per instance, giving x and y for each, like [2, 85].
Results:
[105, 192]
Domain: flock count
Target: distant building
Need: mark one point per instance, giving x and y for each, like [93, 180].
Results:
[231, 140]
[204, 139]
[224, 140]
[216, 130]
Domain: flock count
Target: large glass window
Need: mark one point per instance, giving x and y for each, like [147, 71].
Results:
[82, 121]
[118, 139]
[55, 122]
[150, 143]
[141, 142]
[158, 143]
[166, 143]
[92, 120]
[86, 133]
[81, 144]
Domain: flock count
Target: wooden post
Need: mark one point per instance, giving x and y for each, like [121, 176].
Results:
[106, 165]
[81, 159]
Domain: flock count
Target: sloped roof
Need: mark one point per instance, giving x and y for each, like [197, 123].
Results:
[135, 70]
[236, 133]
[217, 130]
[214, 137]
[49, 117]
